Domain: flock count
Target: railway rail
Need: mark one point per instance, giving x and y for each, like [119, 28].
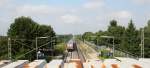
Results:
[74, 54]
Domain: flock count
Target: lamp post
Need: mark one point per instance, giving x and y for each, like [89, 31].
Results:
[113, 42]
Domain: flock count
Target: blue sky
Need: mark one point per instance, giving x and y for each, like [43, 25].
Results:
[75, 16]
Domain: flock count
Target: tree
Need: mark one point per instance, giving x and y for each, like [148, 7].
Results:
[88, 36]
[27, 29]
[115, 30]
[126, 39]
[131, 40]
[99, 40]
[147, 39]
[113, 23]
[148, 23]
[3, 48]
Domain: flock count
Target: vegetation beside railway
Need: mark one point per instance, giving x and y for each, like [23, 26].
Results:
[87, 51]
[23, 33]
[127, 39]
[60, 49]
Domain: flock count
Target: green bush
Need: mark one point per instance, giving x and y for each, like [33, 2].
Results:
[104, 54]
[60, 49]
[49, 58]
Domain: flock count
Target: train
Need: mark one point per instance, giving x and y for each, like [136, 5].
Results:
[71, 46]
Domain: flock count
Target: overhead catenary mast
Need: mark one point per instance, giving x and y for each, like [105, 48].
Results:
[9, 48]
[142, 43]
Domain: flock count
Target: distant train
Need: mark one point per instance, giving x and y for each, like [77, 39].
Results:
[71, 46]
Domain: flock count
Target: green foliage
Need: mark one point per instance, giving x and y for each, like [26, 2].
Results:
[23, 33]
[104, 54]
[147, 39]
[131, 41]
[3, 48]
[113, 23]
[148, 23]
[126, 39]
[88, 36]
[64, 38]
[116, 31]
[60, 48]
[49, 58]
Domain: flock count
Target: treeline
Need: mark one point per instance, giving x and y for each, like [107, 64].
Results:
[3, 48]
[127, 39]
[22, 33]
[64, 38]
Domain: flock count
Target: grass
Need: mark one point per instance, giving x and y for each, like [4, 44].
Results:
[104, 54]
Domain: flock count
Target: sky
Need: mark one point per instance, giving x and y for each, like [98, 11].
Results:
[75, 16]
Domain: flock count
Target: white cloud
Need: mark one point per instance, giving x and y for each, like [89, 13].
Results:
[38, 10]
[93, 14]
[68, 18]
[4, 2]
[93, 4]
[141, 1]
[122, 14]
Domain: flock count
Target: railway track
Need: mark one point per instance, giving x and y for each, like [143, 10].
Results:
[74, 58]
[76, 54]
